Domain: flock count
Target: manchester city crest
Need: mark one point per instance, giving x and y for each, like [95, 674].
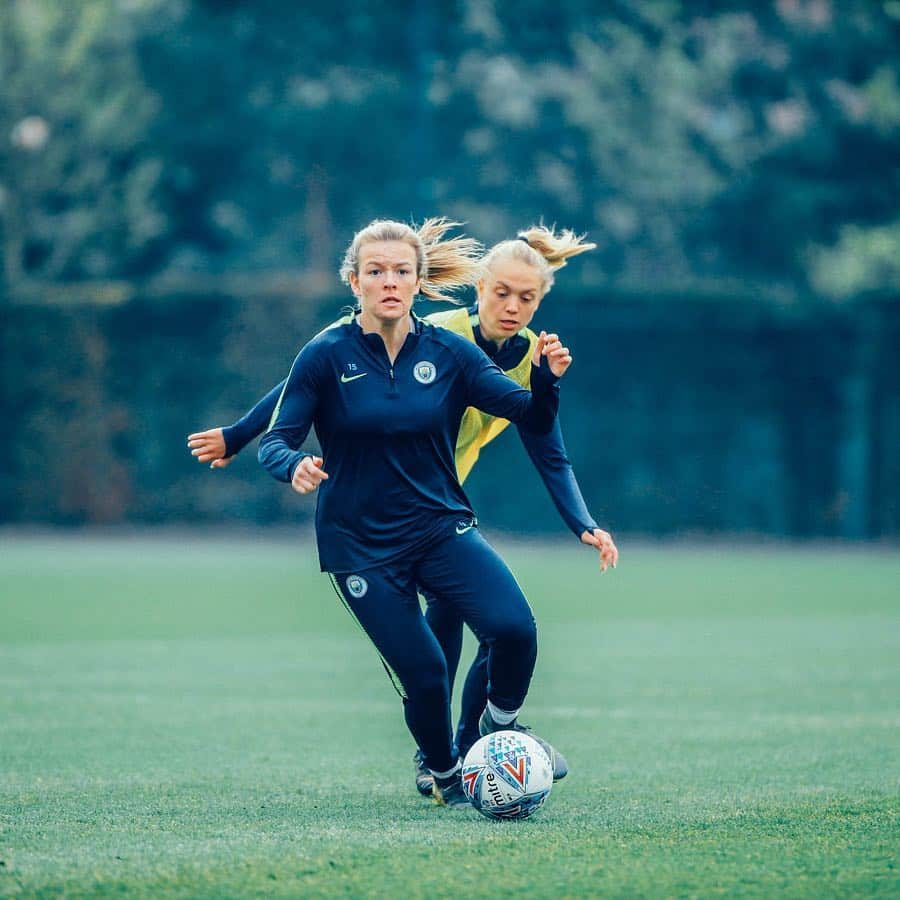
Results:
[424, 372]
[357, 585]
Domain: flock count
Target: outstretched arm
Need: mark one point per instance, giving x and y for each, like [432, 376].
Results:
[548, 454]
[218, 446]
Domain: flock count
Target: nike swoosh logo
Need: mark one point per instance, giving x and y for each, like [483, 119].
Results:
[346, 378]
[463, 529]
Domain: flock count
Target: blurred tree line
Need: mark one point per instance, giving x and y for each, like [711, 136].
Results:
[192, 169]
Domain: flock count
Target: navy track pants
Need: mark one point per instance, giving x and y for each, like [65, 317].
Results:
[446, 624]
[466, 572]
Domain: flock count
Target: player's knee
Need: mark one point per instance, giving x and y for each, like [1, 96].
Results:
[518, 631]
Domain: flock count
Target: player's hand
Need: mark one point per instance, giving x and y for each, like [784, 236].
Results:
[603, 542]
[558, 357]
[209, 447]
[308, 475]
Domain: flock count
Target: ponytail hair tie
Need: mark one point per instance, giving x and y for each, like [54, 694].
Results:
[549, 250]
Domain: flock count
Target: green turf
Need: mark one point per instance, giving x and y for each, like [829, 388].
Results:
[203, 719]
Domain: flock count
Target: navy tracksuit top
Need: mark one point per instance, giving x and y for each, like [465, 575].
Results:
[388, 434]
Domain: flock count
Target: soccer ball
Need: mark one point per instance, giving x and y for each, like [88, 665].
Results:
[507, 775]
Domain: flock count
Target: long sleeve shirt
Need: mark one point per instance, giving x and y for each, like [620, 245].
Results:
[547, 451]
[388, 434]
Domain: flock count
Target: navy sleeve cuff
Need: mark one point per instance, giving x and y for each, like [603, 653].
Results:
[543, 373]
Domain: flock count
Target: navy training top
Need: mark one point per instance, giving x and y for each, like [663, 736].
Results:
[388, 434]
[547, 451]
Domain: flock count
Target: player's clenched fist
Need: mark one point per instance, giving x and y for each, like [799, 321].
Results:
[308, 475]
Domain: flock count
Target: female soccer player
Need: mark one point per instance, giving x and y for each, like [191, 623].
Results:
[386, 393]
[517, 275]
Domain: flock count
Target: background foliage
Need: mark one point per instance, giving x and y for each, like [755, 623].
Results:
[178, 180]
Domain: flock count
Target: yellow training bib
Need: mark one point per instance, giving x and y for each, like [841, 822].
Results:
[478, 428]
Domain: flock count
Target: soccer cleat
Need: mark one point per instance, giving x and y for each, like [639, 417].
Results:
[487, 725]
[424, 778]
[449, 791]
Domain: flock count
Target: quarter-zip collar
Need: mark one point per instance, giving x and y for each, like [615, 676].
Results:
[376, 346]
[416, 325]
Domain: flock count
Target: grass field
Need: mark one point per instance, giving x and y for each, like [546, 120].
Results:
[204, 720]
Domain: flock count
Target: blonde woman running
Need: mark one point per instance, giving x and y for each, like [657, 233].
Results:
[516, 276]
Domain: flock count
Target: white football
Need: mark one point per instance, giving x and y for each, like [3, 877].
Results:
[507, 775]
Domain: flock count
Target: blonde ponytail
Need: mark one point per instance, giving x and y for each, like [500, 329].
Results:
[542, 248]
[451, 263]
